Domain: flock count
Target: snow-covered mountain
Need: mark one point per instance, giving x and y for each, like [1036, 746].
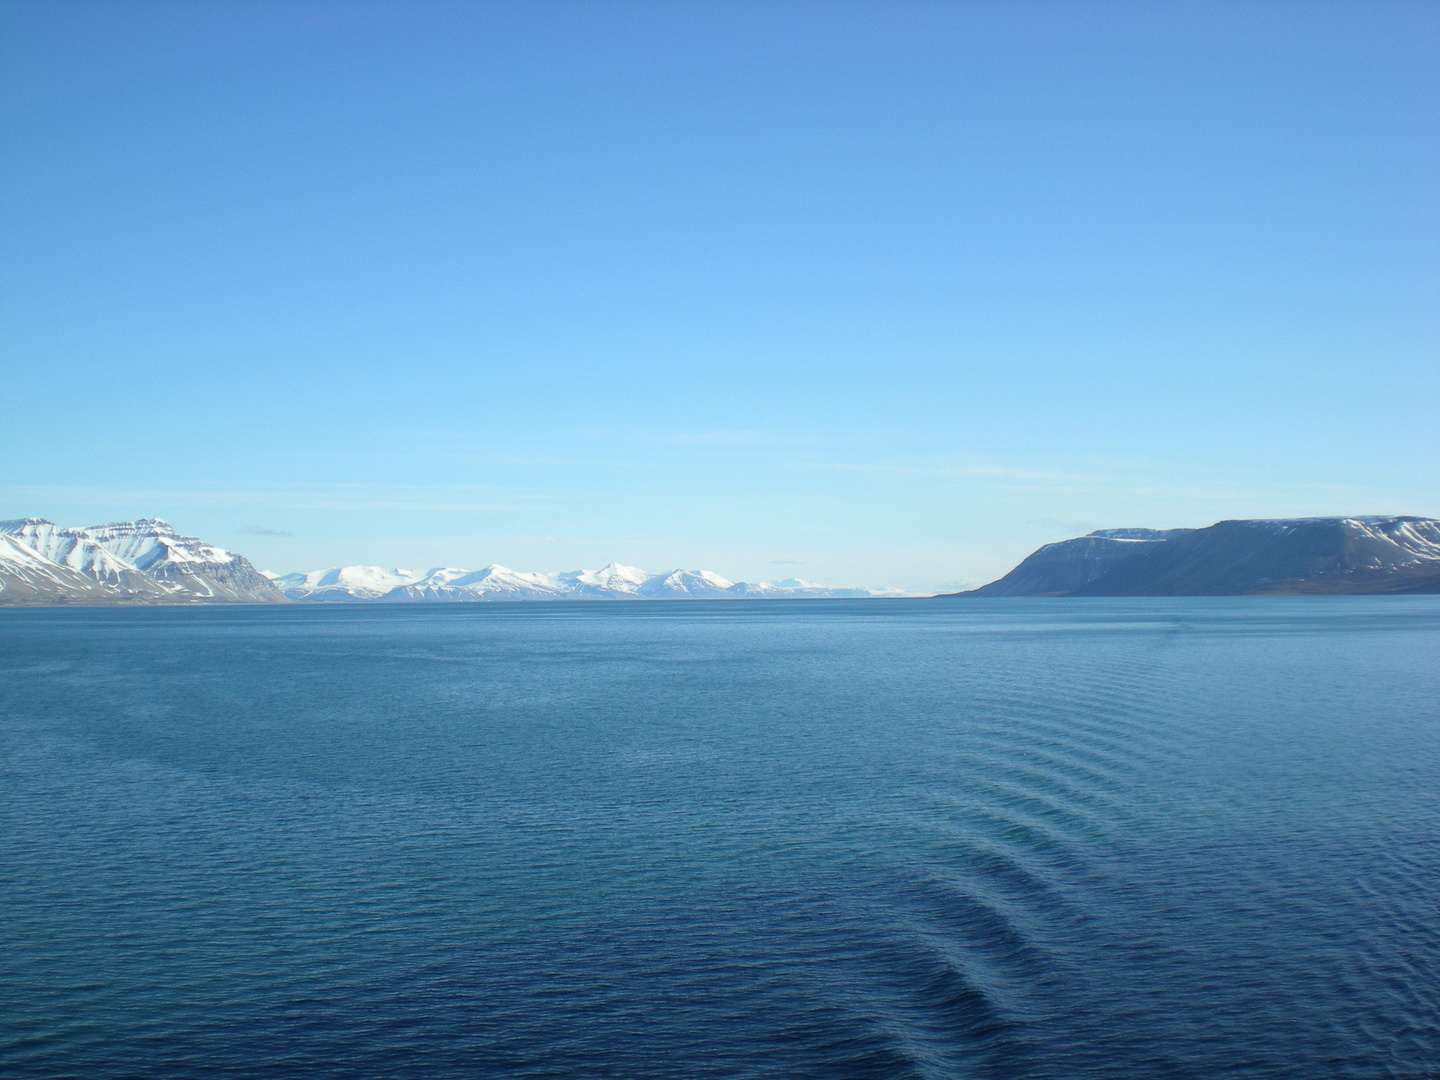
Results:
[607, 582]
[794, 588]
[686, 585]
[27, 577]
[78, 550]
[345, 583]
[613, 582]
[148, 562]
[139, 562]
[492, 583]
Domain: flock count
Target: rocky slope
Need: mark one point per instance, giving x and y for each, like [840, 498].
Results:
[1236, 558]
[27, 577]
[124, 562]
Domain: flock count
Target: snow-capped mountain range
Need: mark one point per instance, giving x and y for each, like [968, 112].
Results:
[613, 582]
[148, 562]
[136, 562]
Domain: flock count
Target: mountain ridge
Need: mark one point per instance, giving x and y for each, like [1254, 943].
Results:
[146, 561]
[615, 581]
[1237, 557]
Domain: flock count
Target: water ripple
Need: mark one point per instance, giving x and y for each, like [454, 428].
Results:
[1168, 839]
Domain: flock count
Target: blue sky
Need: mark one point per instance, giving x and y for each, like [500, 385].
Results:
[877, 294]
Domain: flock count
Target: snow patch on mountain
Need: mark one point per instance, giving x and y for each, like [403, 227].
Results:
[27, 577]
[78, 550]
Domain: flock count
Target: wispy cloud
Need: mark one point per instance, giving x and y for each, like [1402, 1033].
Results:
[1061, 525]
[862, 453]
[260, 530]
[381, 497]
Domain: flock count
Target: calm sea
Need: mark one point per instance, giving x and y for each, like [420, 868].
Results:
[834, 839]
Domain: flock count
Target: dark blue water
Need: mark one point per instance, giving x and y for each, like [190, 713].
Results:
[1058, 839]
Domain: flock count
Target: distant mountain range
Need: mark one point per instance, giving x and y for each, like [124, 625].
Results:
[346, 584]
[1236, 558]
[148, 562]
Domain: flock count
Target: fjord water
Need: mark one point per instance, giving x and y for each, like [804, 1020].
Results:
[1007, 838]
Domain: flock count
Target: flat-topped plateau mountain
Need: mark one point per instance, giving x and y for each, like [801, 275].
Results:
[124, 562]
[1300, 556]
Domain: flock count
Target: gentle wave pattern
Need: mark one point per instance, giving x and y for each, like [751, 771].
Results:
[836, 839]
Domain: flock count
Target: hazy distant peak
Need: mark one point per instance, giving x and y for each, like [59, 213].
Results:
[612, 575]
[1135, 534]
[614, 581]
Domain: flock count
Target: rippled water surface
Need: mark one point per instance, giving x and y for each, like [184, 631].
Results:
[1058, 839]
